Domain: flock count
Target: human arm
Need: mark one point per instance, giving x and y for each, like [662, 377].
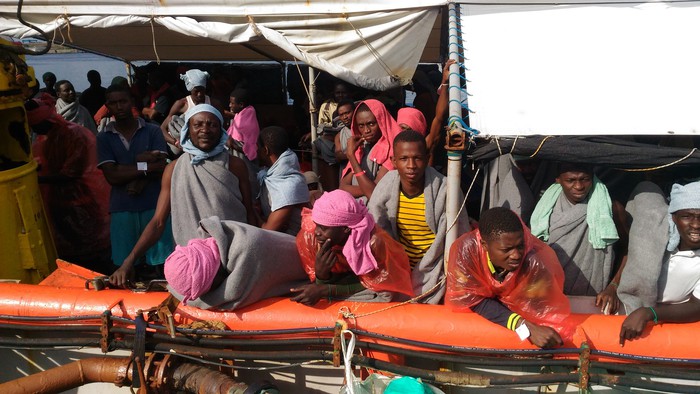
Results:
[238, 168]
[338, 148]
[278, 220]
[607, 299]
[365, 185]
[441, 107]
[176, 109]
[151, 233]
[636, 322]
[496, 312]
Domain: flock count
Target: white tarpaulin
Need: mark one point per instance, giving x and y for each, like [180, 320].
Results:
[583, 69]
[373, 44]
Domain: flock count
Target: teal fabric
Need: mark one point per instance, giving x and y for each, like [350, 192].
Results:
[601, 227]
[126, 228]
[407, 385]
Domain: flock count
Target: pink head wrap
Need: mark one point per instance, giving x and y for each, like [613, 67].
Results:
[45, 111]
[412, 118]
[339, 208]
[190, 270]
[382, 150]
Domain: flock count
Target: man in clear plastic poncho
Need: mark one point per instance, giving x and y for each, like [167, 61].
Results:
[505, 274]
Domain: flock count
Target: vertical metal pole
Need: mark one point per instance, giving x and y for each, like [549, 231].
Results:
[313, 113]
[454, 157]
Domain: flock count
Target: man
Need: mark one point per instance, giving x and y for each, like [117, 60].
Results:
[661, 282]
[159, 98]
[93, 97]
[340, 93]
[70, 109]
[346, 256]
[409, 204]
[195, 83]
[345, 110]
[369, 150]
[505, 274]
[131, 155]
[575, 217]
[205, 181]
[49, 79]
[74, 192]
[283, 190]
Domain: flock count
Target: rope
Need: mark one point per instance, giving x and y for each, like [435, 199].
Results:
[540, 147]
[373, 51]
[464, 202]
[498, 145]
[658, 167]
[153, 37]
[60, 30]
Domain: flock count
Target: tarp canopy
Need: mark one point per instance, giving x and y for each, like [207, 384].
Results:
[375, 44]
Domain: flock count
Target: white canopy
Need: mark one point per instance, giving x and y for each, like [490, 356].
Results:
[369, 43]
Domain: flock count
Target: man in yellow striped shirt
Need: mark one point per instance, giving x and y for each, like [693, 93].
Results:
[409, 203]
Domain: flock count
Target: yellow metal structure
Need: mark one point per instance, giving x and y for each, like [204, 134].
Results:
[27, 252]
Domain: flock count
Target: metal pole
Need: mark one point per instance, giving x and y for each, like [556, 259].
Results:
[454, 152]
[313, 113]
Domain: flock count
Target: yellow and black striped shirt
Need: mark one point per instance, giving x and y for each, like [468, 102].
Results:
[414, 233]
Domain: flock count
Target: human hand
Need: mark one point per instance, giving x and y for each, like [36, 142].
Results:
[543, 336]
[353, 144]
[122, 276]
[309, 294]
[634, 324]
[446, 70]
[607, 300]
[305, 138]
[325, 260]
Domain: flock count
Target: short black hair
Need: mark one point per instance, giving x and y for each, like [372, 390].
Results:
[275, 139]
[59, 83]
[117, 88]
[345, 102]
[410, 135]
[496, 221]
[565, 166]
[241, 96]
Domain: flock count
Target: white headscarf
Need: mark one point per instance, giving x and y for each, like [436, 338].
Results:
[194, 78]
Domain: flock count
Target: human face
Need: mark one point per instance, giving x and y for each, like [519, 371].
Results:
[576, 185]
[345, 114]
[235, 106]
[410, 160]
[119, 105]
[367, 126]
[340, 92]
[338, 235]
[66, 92]
[688, 223]
[505, 250]
[205, 130]
[199, 95]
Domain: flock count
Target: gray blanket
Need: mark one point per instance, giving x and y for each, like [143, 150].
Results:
[648, 209]
[202, 190]
[504, 186]
[384, 206]
[254, 272]
[586, 270]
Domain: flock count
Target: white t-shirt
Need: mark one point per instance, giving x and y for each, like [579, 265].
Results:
[680, 277]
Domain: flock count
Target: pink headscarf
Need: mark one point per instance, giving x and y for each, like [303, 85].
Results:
[412, 118]
[190, 270]
[339, 208]
[244, 127]
[45, 111]
[382, 150]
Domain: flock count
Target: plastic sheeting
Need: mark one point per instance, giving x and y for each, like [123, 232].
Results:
[372, 44]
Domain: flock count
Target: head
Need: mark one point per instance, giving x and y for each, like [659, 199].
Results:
[345, 109]
[94, 78]
[366, 124]
[196, 84]
[336, 213]
[203, 126]
[410, 158]
[41, 114]
[502, 237]
[191, 270]
[684, 208]
[119, 81]
[65, 91]
[272, 142]
[49, 79]
[238, 100]
[411, 118]
[576, 181]
[340, 92]
[155, 79]
[119, 102]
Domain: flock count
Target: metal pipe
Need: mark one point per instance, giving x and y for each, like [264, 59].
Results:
[193, 378]
[313, 115]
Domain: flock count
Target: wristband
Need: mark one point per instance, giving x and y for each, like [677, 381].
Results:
[359, 173]
[615, 284]
[523, 332]
[142, 166]
[656, 317]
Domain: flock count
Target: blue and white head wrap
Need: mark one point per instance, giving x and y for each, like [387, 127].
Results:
[197, 154]
[682, 197]
[194, 78]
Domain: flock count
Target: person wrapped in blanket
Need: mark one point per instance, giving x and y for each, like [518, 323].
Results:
[505, 274]
[346, 256]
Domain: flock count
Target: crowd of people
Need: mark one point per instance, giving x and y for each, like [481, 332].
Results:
[150, 184]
